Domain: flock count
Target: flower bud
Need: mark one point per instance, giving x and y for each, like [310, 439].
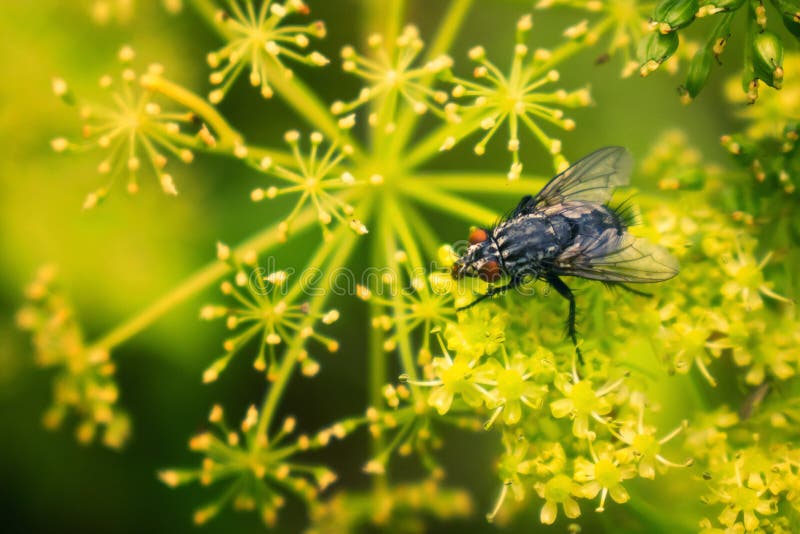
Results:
[790, 13]
[656, 49]
[768, 59]
[671, 15]
[697, 76]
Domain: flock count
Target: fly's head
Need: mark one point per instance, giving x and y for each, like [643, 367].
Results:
[481, 260]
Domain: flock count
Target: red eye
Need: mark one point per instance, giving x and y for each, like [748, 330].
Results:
[489, 271]
[478, 235]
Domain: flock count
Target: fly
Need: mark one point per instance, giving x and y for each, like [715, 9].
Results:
[567, 229]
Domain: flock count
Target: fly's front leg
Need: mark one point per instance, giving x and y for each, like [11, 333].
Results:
[489, 294]
[563, 290]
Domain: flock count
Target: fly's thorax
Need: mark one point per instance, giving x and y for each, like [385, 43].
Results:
[527, 241]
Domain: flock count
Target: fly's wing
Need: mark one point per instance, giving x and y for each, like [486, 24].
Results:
[616, 257]
[591, 179]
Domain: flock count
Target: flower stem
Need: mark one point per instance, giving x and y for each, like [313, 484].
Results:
[448, 29]
[403, 338]
[264, 240]
[227, 136]
[342, 243]
[461, 208]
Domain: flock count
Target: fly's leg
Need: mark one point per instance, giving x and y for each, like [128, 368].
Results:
[566, 292]
[629, 289]
[489, 294]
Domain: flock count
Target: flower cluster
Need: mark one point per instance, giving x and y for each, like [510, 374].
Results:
[393, 78]
[752, 479]
[517, 99]
[259, 39]
[134, 132]
[105, 11]
[316, 176]
[763, 49]
[424, 303]
[264, 310]
[627, 23]
[405, 507]
[569, 436]
[84, 386]
[259, 468]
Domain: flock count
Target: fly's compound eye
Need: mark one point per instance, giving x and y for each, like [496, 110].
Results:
[456, 271]
[489, 271]
[478, 235]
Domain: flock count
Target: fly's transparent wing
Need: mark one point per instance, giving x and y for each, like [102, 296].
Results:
[592, 179]
[616, 257]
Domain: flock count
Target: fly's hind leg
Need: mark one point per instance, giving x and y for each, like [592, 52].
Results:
[629, 289]
[563, 290]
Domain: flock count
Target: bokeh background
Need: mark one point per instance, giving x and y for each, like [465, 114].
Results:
[116, 259]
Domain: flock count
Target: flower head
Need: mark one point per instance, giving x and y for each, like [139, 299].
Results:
[604, 474]
[263, 308]
[134, 132]
[84, 386]
[582, 402]
[392, 78]
[260, 38]
[259, 469]
[423, 303]
[559, 490]
[316, 177]
[626, 22]
[516, 98]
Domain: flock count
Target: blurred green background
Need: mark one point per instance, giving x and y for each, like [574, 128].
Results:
[116, 259]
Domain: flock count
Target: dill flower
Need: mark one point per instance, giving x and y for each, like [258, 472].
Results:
[516, 98]
[408, 504]
[316, 176]
[259, 469]
[393, 78]
[514, 387]
[765, 352]
[456, 376]
[260, 39]
[479, 331]
[263, 308]
[134, 132]
[424, 303]
[581, 401]
[645, 446]
[84, 385]
[559, 490]
[105, 11]
[604, 475]
[626, 22]
[746, 279]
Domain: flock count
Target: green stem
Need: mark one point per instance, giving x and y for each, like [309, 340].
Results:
[447, 203]
[226, 135]
[448, 29]
[571, 48]
[262, 241]
[377, 375]
[254, 153]
[431, 144]
[342, 242]
[403, 336]
[483, 184]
